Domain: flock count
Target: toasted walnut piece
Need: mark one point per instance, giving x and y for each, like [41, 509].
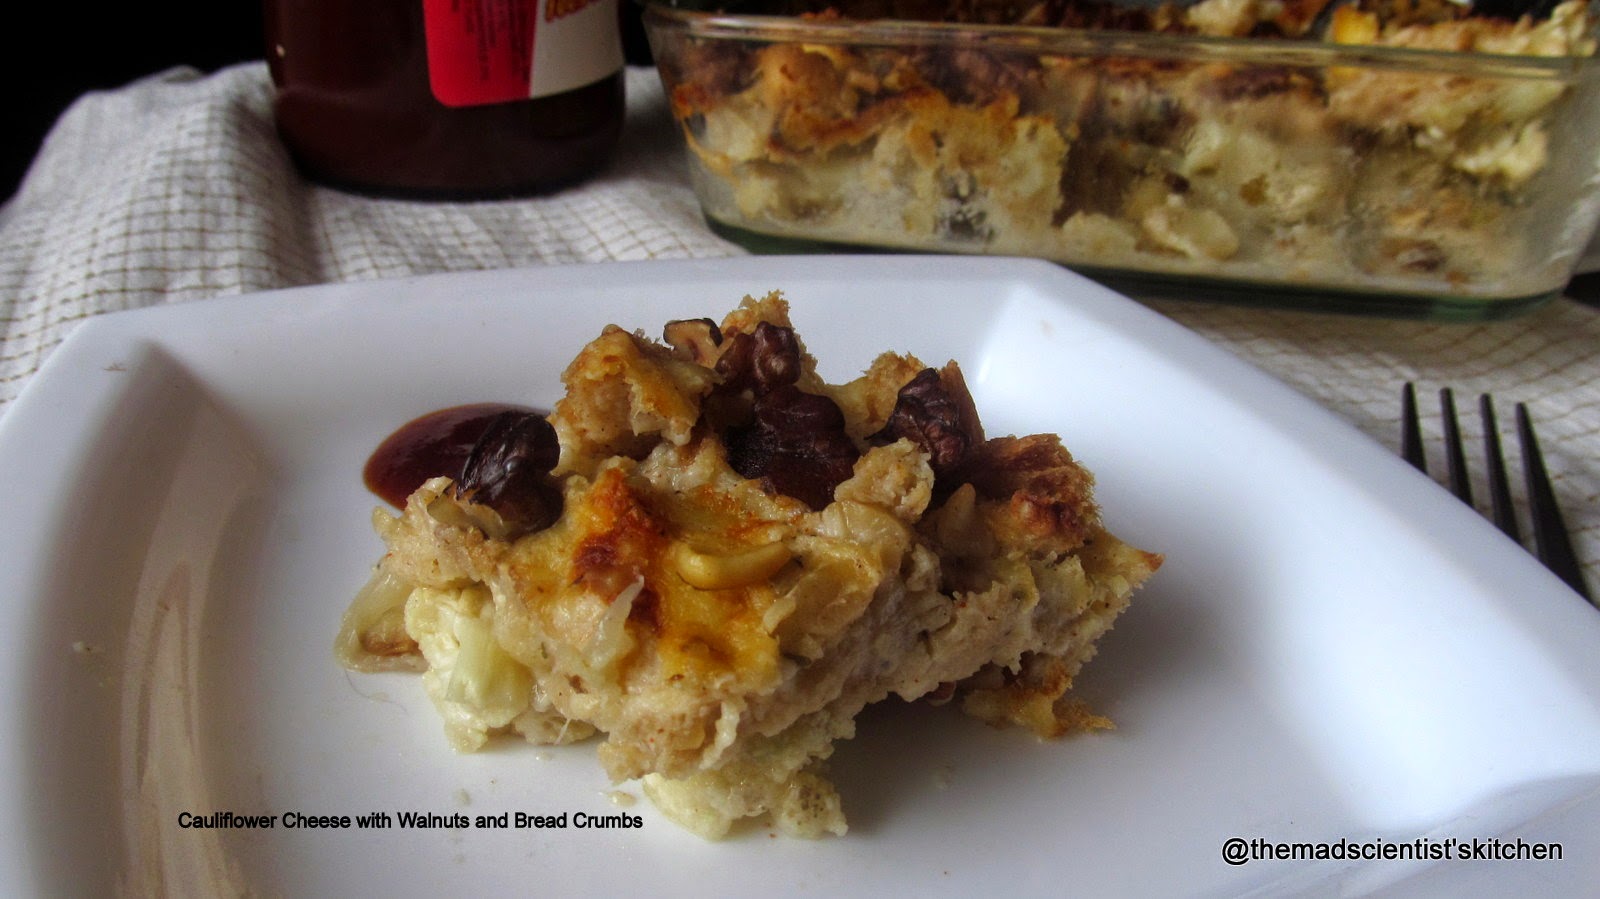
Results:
[924, 414]
[793, 441]
[777, 356]
[761, 361]
[696, 340]
[508, 470]
[796, 445]
[728, 404]
[935, 411]
[955, 387]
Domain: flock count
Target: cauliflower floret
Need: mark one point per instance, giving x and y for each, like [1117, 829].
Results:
[478, 688]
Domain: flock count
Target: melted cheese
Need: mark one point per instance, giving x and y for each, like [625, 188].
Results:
[615, 544]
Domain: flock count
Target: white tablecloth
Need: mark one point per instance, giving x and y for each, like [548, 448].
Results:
[176, 189]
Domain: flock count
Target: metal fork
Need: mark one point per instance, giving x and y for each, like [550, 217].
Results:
[1551, 542]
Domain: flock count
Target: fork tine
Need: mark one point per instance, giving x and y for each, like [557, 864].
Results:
[1411, 429]
[1504, 513]
[1455, 457]
[1550, 537]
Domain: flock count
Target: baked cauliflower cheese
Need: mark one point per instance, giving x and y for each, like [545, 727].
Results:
[711, 561]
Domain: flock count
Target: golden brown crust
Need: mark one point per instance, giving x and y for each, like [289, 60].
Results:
[1047, 497]
[619, 370]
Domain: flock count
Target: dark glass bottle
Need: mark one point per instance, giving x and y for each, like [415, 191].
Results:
[358, 87]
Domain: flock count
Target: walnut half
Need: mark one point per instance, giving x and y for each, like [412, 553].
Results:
[935, 411]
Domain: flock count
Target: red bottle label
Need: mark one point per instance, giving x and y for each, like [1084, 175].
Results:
[494, 51]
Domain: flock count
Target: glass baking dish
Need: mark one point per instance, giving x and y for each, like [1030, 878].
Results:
[1352, 166]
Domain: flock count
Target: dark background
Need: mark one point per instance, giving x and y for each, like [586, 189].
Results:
[77, 47]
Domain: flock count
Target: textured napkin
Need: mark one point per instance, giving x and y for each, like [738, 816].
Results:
[176, 188]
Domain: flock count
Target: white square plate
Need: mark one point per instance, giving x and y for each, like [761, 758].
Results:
[1335, 649]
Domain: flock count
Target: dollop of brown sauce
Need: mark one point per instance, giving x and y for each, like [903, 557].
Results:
[433, 445]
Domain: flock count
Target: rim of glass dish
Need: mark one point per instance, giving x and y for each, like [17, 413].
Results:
[889, 33]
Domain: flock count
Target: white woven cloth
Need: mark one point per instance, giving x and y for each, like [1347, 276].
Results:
[176, 189]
